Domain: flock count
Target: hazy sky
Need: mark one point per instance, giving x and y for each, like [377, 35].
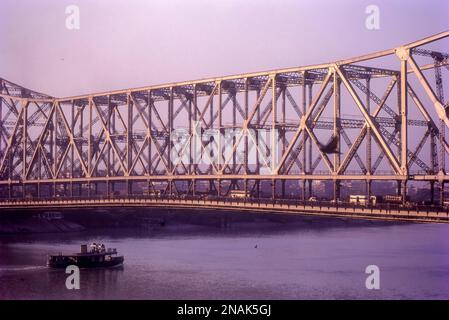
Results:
[133, 43]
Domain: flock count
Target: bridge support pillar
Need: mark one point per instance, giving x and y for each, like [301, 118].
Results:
[283, 189]
[404, 191]
[310, 188]
[432, 192]
[129, 189]
[211, 186]
[258, 188]
[336, 190]
[441, 193]
[368, 188]
[245, 187]
[273, 189]
[109, 188]
[303, 190]
[170, 187]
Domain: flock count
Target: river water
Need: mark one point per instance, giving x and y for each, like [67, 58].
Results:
[270, 262]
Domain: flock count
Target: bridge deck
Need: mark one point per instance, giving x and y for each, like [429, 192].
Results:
[382, 212]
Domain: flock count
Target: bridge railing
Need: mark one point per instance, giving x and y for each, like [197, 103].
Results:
[220, 199]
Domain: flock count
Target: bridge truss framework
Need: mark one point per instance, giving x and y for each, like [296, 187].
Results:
[98, 143]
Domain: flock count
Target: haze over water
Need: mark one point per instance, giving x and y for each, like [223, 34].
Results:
[307, 261]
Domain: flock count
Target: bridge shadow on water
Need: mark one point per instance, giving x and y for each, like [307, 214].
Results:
[151, 222]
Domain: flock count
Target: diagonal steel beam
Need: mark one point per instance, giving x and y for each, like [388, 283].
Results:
[303, 122]
[386, 148]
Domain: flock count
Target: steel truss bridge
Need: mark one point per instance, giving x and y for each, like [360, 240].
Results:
[387, 110]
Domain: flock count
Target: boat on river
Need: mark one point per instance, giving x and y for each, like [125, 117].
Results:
[97, 256]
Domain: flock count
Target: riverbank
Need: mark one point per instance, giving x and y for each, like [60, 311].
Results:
[19, 222]
[35, 224]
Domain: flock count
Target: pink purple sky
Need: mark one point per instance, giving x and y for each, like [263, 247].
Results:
[123, 44]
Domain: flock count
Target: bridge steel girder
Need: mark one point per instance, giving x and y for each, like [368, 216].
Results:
[234, 132]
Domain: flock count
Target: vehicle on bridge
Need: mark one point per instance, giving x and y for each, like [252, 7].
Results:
[390, 198]
[363, 200]
[241, 194]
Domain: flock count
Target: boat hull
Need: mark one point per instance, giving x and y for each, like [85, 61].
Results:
[83, 262]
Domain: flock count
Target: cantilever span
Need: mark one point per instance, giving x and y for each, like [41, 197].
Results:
[233, 136]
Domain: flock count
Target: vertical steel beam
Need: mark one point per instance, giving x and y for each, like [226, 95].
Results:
[368, 139]
[54, 134]
[246, 93]
[129, 142]
[80, 126]
[440, 96]
[2, 135]
[274, 141]
[170, 145]
[190, 117]
[282, 131]
[234, 137]
[310, 170]
[304, 133]
[442, 133]
[89, 148]
[257, 143]
[220, 127]
[149, 133]
[129, 133]
[52, 146]
[210, 126]
[336, 133]
[24, 137]
[108, 141]
[404, 126]
[195, 140]
[404, 113]
[72, 153]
